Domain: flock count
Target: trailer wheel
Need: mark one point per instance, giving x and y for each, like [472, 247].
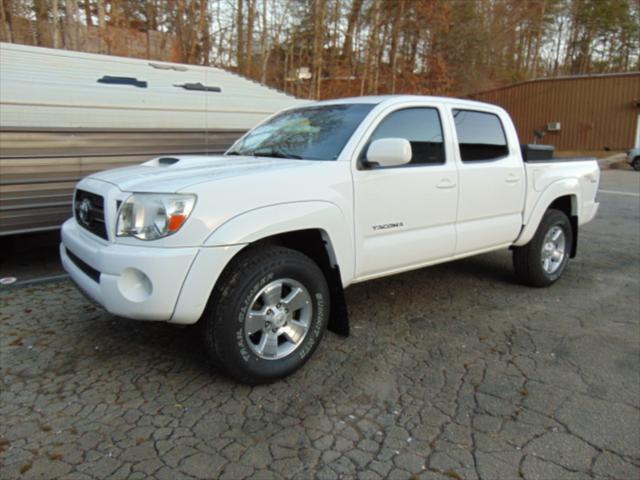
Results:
[267, 314]
[542, 261]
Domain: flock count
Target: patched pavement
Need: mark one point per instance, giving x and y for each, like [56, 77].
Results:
[451, 372]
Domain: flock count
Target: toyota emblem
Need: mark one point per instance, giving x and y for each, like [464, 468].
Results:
[83, 211]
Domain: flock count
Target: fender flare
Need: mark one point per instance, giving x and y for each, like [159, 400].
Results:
[263, 222]
[560, 188]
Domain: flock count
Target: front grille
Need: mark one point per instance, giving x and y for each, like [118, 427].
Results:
[85, 267]
[88, 209]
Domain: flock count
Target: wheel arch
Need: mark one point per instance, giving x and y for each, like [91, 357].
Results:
[563, 196]
[316, 244]
[317, 229]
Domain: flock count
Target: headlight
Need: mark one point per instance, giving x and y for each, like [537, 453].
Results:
[149, 216]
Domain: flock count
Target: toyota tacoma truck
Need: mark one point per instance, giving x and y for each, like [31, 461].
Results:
[258, 244]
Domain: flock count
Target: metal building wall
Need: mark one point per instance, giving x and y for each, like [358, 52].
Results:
[596, 112]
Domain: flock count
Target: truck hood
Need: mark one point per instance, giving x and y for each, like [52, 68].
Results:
[173, 174]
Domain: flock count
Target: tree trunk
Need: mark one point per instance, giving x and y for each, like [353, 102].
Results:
[393, 52]
[318, 48]
[556, 62]
[71, 24]
[55, 21]
[240, 37]
[180, 30]
[42, 23]
[150, 12]
[204, 32]
[380, 43]
[263, 43]
[251, 18]
[197, 30]
[354, 15]
[87, 12]
[6, 29]
[370, 54]
[538, 39]
[102, 28]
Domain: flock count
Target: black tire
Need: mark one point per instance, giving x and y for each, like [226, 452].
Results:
[528, 259]
[636, 163]
[224, 320]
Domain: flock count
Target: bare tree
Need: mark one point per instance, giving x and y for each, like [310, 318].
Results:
[42, 23]
[102, 25]
[251, 19]
[350, 46]
[71, 24]
[354, 14]
[240, 36]
[318, 47]
[55, 19]
[6, 29]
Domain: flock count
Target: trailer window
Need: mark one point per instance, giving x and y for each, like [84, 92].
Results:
[199, 87]
[134, 82]
[480, 136]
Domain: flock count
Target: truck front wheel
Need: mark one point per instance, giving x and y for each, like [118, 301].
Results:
[267, 314]
[541, 262]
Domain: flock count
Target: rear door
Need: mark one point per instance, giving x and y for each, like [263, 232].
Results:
[405, 216]
[492, 181]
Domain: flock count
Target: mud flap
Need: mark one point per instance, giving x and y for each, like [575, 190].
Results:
[339, 316]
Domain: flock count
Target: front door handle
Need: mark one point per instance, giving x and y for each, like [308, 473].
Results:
[512, 178]
[445, 184]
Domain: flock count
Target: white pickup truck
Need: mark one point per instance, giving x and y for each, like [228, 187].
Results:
[257, 245]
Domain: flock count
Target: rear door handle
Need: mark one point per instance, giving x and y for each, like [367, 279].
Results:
[445, 184]
[512, 178]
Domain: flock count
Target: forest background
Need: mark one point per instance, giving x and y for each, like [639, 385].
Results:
[336, 48]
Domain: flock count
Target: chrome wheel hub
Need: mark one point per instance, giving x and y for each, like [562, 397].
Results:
[553, 250]
[279, 318]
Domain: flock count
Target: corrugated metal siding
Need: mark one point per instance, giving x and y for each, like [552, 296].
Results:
[39, 169]
[595, 112]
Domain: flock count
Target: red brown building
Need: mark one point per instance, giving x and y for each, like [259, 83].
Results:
[590, 112]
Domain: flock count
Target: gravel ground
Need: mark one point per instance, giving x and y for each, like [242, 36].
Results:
[451, 372]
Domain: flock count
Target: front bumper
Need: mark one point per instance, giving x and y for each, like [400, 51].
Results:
[143, 283]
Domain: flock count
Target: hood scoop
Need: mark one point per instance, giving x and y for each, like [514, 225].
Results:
[162, 162]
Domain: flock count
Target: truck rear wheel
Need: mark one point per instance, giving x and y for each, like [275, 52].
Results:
[542, 261]
[267, 314]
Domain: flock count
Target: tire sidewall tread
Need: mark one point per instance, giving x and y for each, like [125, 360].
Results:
[232, 297]
[527, 259]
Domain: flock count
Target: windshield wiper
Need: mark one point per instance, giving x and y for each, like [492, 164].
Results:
[275, 154]
[232, 153]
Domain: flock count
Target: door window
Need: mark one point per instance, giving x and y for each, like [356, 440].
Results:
[480, 136]
[421, 127]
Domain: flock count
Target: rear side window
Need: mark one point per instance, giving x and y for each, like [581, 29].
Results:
[422, 127]
[480, 136]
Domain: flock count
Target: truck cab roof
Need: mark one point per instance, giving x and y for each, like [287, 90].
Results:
[395, 99]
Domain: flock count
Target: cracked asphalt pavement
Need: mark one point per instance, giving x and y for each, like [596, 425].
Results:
[451, 372]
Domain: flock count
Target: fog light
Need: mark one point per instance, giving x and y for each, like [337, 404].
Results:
[134, 285]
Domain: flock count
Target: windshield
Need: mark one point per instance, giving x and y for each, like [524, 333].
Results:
[310, 133]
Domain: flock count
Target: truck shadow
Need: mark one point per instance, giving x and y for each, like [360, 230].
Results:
[171, 348]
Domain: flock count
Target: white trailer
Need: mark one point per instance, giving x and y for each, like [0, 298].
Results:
[65, 115]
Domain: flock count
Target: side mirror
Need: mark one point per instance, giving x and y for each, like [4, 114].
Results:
[389, 152]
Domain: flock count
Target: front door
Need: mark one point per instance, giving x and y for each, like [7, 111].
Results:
[405, 216]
